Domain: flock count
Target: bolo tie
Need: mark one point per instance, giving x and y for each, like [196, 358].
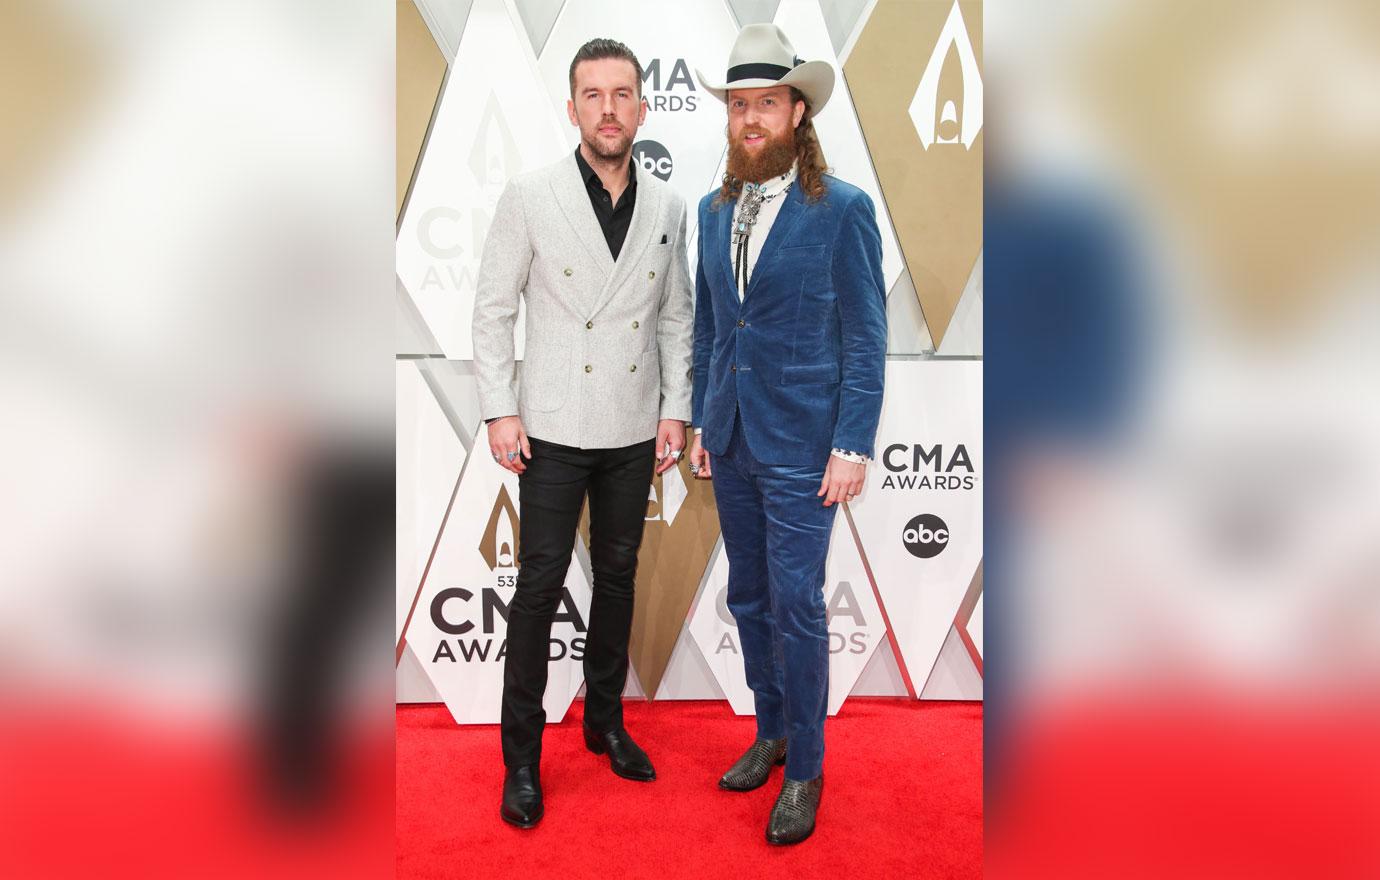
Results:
[748, 208]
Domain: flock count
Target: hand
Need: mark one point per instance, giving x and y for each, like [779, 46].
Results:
[842, 480]
[506, 439]
[699, 460]
[670, 443]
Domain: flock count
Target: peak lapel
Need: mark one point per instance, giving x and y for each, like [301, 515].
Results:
[640, 228]
[722, 239]
[781, 230]
[573, 198]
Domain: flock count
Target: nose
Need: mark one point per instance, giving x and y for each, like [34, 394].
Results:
[608, 108]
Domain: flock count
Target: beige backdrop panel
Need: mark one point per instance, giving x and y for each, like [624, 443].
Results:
[934, 193]
[421, 68]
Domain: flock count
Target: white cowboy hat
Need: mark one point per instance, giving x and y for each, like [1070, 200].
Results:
[762, 57]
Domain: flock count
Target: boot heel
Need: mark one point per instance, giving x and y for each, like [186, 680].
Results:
[594, 744]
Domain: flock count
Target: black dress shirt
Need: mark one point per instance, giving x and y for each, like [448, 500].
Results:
[613, 219]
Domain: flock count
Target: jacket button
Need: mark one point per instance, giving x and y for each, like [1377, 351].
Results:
[634, 325]
[568, 273]
[651, 275]
[742, 323]
[632, 369]
[733, 368]
[589, 325]
[588, 368]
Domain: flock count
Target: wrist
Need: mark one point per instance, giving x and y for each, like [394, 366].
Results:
[849, 455]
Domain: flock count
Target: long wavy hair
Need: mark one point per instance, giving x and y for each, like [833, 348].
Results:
[810, 166]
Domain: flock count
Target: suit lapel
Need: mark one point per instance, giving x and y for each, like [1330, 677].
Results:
[781, 229]
[640, 228]
[723, 247]
[573, 198]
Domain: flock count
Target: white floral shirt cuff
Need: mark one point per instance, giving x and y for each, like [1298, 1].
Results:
[846, 455]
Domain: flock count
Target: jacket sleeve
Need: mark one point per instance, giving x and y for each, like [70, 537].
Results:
[857, 271]
[673, 332]
[503, 269]
[704, 330]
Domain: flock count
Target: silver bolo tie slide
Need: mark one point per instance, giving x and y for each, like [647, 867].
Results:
[748, 209]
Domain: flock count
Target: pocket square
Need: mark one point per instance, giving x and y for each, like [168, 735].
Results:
[663, 238]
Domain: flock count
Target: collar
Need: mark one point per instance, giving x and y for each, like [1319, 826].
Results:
[775, 186]
[591, 177]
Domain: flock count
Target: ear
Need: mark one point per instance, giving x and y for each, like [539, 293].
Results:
[799, 113]
[641, 112]
[570, 111]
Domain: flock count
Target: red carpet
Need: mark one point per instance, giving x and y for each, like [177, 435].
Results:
[902, 798]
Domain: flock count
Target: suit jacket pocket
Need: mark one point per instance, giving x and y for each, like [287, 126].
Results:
[810, 374]
[545, 377]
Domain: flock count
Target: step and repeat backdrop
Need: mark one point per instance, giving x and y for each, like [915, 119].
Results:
[482, 86]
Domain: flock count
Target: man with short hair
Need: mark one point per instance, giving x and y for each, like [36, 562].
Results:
[790, 353]
[596, 247]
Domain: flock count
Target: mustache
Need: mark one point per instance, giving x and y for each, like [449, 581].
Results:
[607, 122]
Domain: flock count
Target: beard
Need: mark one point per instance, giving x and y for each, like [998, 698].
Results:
[773, 159]
[602, 148]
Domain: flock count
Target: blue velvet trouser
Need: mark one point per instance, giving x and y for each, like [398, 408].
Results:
[776, 534]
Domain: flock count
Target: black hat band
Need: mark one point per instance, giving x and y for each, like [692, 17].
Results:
[757, 71]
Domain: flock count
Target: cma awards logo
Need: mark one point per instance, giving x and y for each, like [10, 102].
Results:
[498, 545]
[671, 86]
[928, 467]
[454, 236]
[471, 616]
[925, 536]
[843, 616]
[653, 158]
[945, 109]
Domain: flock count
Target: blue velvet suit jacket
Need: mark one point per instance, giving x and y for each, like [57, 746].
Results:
[802, 357]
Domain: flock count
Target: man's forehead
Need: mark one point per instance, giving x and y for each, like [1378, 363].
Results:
[750, 94]
[606, 72]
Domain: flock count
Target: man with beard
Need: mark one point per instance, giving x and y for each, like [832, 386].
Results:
[790, 352]
[597, 248]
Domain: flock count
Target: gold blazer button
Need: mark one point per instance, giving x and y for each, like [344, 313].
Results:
[651, 275]
[568, 273]
[632, 369]
[635, 325]
[588, 368]
[589, 325]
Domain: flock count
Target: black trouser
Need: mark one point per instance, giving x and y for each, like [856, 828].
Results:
[551, 493]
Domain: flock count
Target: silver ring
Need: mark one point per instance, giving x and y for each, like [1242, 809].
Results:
[495, 458]
[675, 454]
[694, 469]
[512, 455]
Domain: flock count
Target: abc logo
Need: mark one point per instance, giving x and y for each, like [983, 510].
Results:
[653, 157]
[925, 536]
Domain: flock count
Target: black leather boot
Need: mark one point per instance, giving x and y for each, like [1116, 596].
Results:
[793, 817]
[751, 770]
[626, 759]
[522, 804]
